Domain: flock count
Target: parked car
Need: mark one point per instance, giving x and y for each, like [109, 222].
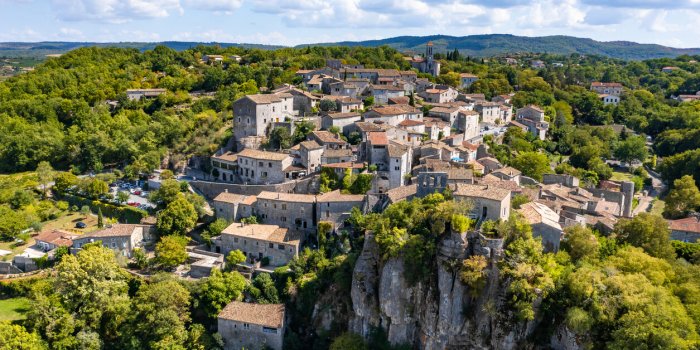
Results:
[80, 224]
[137, 192]
[133, 204]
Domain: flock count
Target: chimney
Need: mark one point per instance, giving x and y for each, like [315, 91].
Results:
[226, 190]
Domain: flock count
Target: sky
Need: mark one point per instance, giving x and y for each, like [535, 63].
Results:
[672, 23]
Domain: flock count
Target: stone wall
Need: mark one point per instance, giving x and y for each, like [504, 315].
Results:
[212, 189]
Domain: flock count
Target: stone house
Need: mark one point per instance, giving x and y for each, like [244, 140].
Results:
[399, 163]
[310, 156]
[490, 112]
[52, 239]
[343, 121]
[466, 80]
[257, 242]
[468, 122]
[436, 128]
[122, 238]
[490, 202]
[533, 118]
[545, 224]
[287, 210]
[382, 93]
[226, 165]
[447, 114]
[490, 164]
[226, 205]
[254, 114]
[261, 167]
[303, 102]
[327, 139]
[606, 88]
[335, 207]
[508, 174]
[138, 94]
[686, 230]
[393, 115]
[252, 326]
[340, 168]
[343, 88]
[331, 156]
[436, 95]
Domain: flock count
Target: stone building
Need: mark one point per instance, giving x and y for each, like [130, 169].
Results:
[490, 202]
[257, 242]
[252, 326]
[260, 167]
[335, 207]
[545, 224]
[122, 238]
[254, 114]
[287, 210]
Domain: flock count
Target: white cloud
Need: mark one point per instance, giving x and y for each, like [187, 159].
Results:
[114, 11]
[222, 6]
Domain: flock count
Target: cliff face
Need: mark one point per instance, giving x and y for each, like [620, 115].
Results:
[441, 313]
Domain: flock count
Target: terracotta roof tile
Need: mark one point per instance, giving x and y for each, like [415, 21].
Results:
[267, 315]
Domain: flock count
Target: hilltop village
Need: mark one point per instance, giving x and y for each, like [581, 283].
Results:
[349, 197]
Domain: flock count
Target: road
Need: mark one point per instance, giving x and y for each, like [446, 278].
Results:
[657, 188]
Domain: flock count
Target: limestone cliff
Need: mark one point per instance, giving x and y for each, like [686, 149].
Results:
[440, 313]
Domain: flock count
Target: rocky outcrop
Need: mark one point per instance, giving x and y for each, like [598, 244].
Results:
[442, 312]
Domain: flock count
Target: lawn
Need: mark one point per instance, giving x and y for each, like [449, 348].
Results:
[13, 309]
[67, 223]
[619, 176]
[15, 249]
[657, 207]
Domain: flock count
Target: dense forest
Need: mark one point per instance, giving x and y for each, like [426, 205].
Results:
[631, 289]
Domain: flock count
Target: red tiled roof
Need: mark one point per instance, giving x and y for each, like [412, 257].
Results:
[687, 225]
[377, 138]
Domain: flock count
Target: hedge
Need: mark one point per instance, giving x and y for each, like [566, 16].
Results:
[123, 213]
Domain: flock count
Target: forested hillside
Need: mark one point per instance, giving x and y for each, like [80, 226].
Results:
[505, 44]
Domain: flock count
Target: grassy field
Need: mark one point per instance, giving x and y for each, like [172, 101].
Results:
[658, 207]
[619, 176]
[13, 309]
[67, 223]
[15, 249]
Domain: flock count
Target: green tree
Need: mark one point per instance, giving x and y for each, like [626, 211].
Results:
[219, 289]
[170, 251]
[94, 289]
[167, 174]
[161, 313]
[140, 258]
[263, 289]
[327, 105]
[280, 138]
[532, 164]
[631, 149]
[349, 341]
[96, 188]
[45, 174]
[647, 231]
[474, 273]
[167, 193]
[178, 218]
[63, 181]
[16, 337]
[85, 210]
[235, 257]
[580, 243]
[122, 197]
[100, 218]
[683, 198]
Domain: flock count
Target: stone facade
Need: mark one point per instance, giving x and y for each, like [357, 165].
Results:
[278, 245]
[252, 326]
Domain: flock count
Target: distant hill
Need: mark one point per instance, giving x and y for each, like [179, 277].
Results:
[41, 49]
[472, 45]
[500, 44]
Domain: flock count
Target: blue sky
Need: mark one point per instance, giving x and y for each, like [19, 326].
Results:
[673, 23]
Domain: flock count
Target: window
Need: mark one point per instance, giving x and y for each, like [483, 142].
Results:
[284, 219]
[328, 213]
[271, 245]
[396, 168]
[269, 165]
[260, 163]
[274, 205]
[284, 206]
[235, 239]
[269, 330]
[280, 246]
[246, 326]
